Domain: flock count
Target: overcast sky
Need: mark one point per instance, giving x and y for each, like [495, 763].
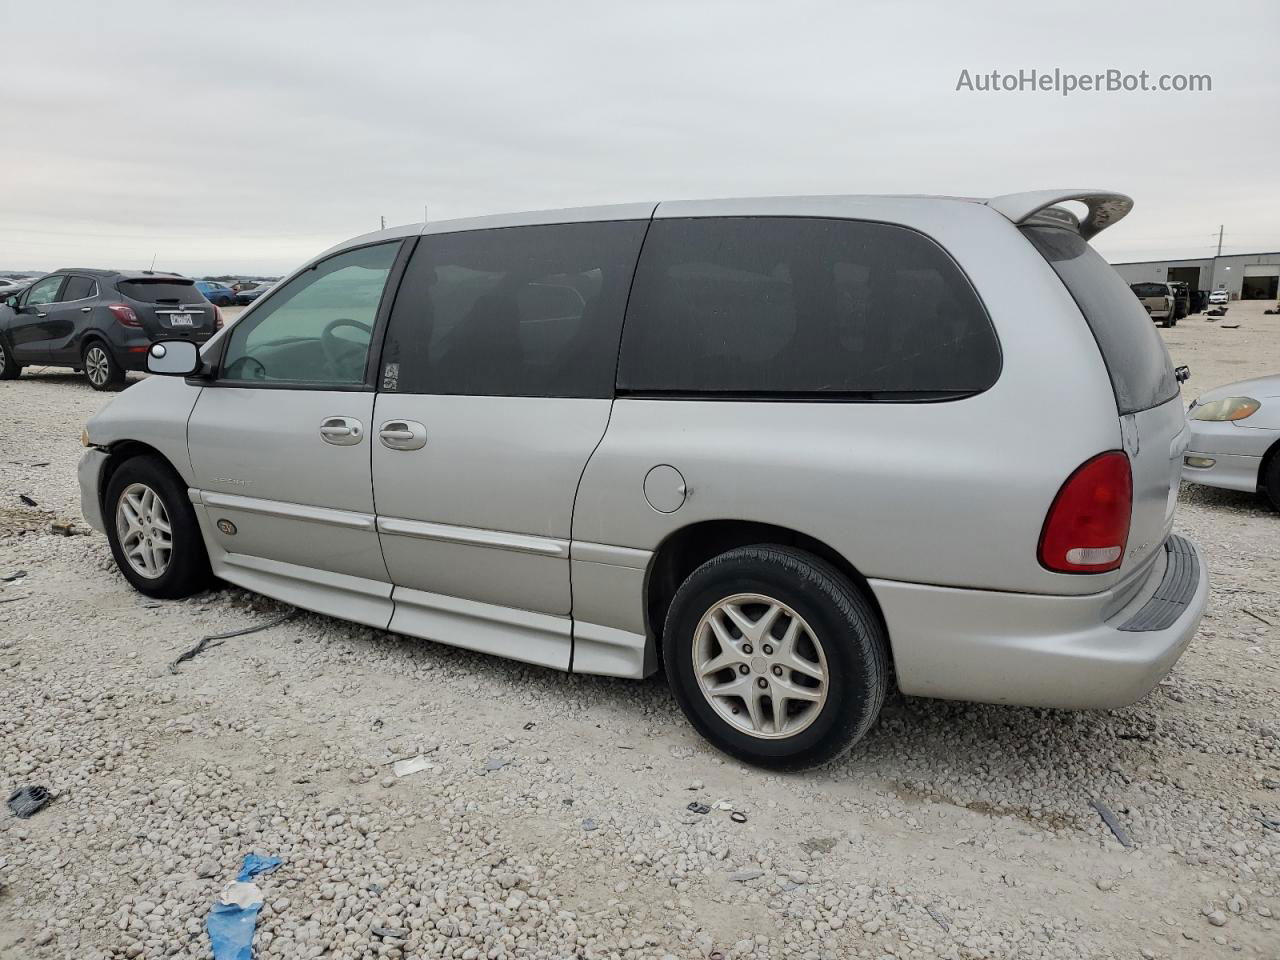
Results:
[237, 137]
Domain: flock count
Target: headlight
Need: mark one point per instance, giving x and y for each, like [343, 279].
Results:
[84, 437]
[1228, 408]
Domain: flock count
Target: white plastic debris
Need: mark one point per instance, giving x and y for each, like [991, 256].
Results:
[402, 768]
[242, 895]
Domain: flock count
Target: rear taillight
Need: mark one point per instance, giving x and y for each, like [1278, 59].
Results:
[1088, 525]
[124, 315]
[217, 317]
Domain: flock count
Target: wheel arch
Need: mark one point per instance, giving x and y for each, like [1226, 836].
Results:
[120, 452]
[686, 549]
[1268, 458]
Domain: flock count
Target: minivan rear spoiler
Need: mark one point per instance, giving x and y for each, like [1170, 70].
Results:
[1105, 208]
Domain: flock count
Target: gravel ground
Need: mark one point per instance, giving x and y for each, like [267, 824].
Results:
[552, 820]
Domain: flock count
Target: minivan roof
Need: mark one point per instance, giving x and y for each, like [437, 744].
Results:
[1104, 209]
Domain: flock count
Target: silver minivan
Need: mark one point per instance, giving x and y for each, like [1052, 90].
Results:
[789, 450]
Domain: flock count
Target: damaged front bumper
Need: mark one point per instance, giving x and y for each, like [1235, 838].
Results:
[90, 475]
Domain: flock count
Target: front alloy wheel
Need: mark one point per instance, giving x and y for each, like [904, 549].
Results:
[9, 368]
[152, 528]
[142, 525]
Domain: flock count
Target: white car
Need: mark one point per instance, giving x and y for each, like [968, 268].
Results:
[1219, 297]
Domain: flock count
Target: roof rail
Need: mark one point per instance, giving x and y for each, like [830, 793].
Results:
[1105, 207]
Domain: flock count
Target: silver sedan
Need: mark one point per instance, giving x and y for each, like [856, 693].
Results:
[1235, 438]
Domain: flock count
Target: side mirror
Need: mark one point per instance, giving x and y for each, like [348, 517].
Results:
[1183, 373]
[12, 303]
[173, 358]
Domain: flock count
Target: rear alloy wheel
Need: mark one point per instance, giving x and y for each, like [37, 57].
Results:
[766, 689]
[100, 367]
[775, 657]
[9, 368]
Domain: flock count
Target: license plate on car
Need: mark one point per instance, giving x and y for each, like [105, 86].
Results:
[182, 320]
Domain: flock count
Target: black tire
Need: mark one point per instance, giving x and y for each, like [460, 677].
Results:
[187, 571]
[100, 366]
[851, 635]
[1166, 322]
[1271, 480]
[9, 367]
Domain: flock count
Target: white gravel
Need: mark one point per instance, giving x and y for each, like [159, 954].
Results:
[954, 831]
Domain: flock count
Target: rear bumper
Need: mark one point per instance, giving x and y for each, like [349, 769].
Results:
[1103, 650]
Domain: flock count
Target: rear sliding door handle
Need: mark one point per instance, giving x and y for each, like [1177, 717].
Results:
[403, 435]
[341, 431]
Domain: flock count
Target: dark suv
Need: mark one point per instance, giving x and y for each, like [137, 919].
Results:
[100, 321]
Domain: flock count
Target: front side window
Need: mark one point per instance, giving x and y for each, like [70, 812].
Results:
[317, 328]
[44, 291]
[513, 312]
[779, 306]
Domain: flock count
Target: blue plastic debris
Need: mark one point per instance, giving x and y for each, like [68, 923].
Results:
[233, 918]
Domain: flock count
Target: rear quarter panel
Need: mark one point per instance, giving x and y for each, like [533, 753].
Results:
[950, 493]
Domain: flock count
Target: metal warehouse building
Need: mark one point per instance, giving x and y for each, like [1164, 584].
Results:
[1246, 276]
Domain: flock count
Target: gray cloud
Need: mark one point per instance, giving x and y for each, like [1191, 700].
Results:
[243, 137]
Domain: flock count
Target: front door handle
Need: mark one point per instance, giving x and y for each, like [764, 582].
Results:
[86, 309]
[341, 431]
[403, 435]
[39, 314]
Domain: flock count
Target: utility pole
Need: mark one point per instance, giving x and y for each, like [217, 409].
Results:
[384, 223]
[424, 213]
[1213, 271]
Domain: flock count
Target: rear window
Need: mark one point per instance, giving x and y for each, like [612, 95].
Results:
[1149, 289]
[167, 290]
[1136, 358]
[779, 306]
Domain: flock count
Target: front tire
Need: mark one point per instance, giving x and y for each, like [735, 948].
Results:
[9, 367]
[775, 657]
[1271, 481]
[100, 367]
[153, 532]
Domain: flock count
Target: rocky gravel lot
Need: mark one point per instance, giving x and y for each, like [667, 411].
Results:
[552, 819]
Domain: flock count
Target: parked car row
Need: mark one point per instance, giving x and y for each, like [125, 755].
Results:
[784, 551]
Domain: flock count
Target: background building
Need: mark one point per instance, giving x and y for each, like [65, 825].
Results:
[1246, 276]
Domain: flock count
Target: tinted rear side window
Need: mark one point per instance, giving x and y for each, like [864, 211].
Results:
[752, 306]
[1136, 358]
[77, 288]
[160, 291]
[513, 312]
[1149, 289]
